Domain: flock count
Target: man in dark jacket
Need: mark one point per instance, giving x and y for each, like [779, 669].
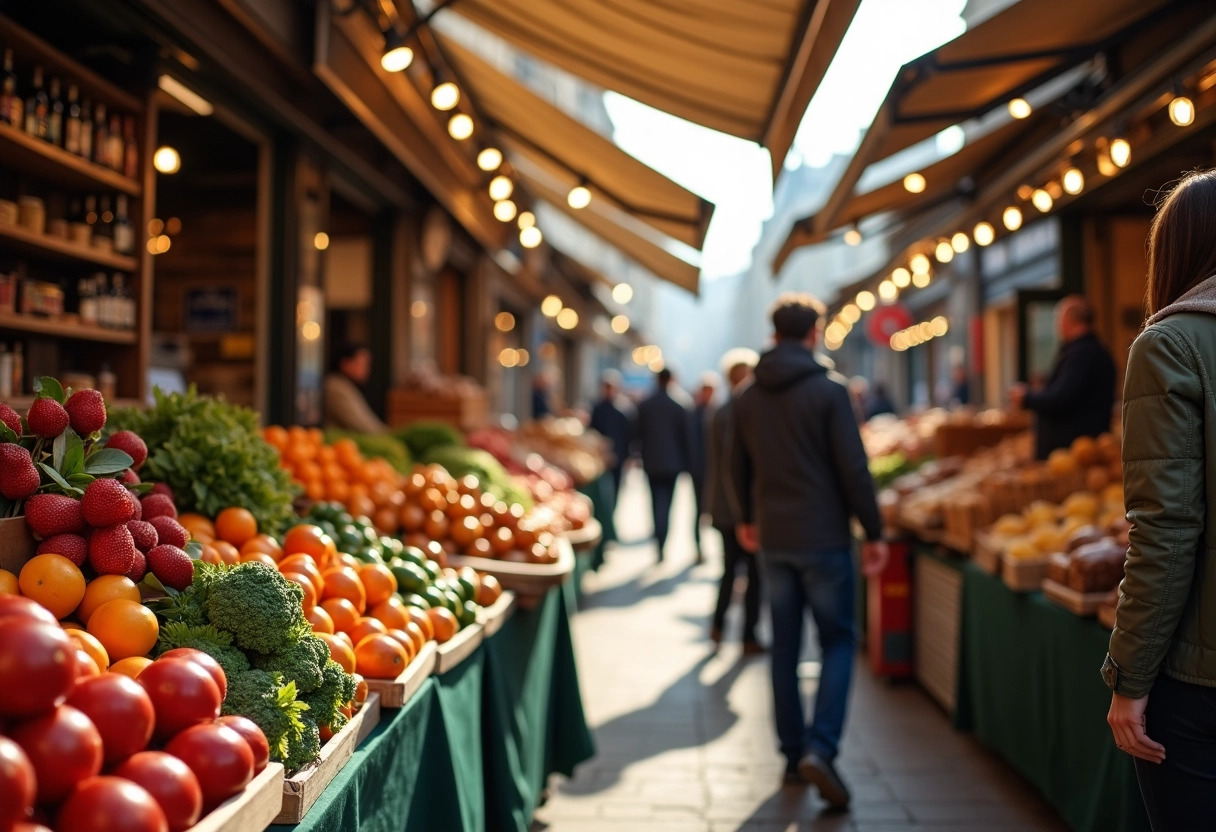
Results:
[737, 366]
[612, 418]
[662, 429]
[699, 419]
[1080, 393]
[800, 474]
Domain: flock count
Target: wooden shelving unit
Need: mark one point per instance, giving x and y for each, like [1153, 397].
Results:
[20, 238]
[54, 164]
[74, 331]
[22, 403]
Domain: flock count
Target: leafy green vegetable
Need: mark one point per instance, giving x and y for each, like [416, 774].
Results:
[262, 609]
[273, 705]
[212, 455]
[423, 437]
[214, 642]
[307, 750]
[376, 446]
[301, 662]
[336, 689]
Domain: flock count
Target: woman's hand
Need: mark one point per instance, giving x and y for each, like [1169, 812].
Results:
[1126, 719]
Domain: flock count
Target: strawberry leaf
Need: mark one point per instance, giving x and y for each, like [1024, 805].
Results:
[194, 549]
[142, 488]
[107, 461]
[81, 480]
[6, 434]
[58, 479]
[153, 583]
[47, 387]
[73, 457]
[58, 449]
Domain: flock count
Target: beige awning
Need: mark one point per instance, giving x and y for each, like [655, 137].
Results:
[571, 153]
[745, 67]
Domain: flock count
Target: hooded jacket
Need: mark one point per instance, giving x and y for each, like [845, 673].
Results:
[799, 469]
[1165, 621]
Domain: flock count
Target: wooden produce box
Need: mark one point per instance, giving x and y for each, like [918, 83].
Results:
[250, 811]
[17, 545]
[459, 647]
[588, 537]
[303, 789]
[1083, 604]
[987, 553]
[937, 616]
[1023, 574]
[394, 693]
[494, 616]
[965, 440]
[529, 581]
[468, 412]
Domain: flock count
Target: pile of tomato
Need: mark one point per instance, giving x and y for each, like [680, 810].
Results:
[86, 752]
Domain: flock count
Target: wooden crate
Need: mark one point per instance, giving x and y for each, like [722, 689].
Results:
[588, 537]
[937, 615]
[394, 693]
[459, 647]
[987, 553]
[467, 412]
[1023, 574]
[529, 581]
[1084, 604]
[965, 440]
[303, 789]
[16, 544]
[494, 616]
[250, 811]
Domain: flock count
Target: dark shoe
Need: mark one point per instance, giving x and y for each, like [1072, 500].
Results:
[715, 635]
[754, 648]
[822, 775]
[792, 777]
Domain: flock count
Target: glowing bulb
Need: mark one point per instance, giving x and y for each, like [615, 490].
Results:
[920, 264]
[1074, 181]
[167, 160]
[1041, 200]
[622, 293]
[397, 59]
[489, 159]
[1019, 108]
[983, 234]
[921, 280]
[320, 241]
[551, 305]
[311, 330]
[504, 321]
[567, 319]
[897, 342]
[530, 237]
[504, 210]
[944, 252]
[418, 309]
[1012, 218]
[865, 300]
[1121, 152]
[852, 237]
[835, 332]
[914, 183]
[501, 187]
[901, 277]
[620, 324]
[960, 242]
[940, 326]
[445, 96]
[887, 291]
[579, 197]
[524, 358]
[526, 220]
[1182, 111]
[508, 358]
[1105, 166]
[851, 313]
[460, 127]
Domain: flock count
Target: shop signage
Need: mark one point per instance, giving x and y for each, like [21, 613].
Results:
[885, 321]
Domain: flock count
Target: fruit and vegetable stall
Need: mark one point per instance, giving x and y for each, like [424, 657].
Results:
[1016, 568]
[206, 624]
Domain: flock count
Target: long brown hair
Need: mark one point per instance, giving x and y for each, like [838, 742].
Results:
[1182, 240]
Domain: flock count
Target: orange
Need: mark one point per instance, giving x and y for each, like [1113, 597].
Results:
[260, 557]
[365, 626]
[263, 543]
[125, 628]
[131, 667]
[422, 620]
[320, 620]
[339, 651]
[105, 588]
[236, 525]
[360, 689]
[90, 645]
[228, 553]
[198, 526]
[416, 635]
[378, 583]
[315, 490]
[444, 622]
[391, 613]
[489, 591]
[326, 455]
[54, 582]
[305, 539]
[343, 612]
[85, 666]
[275, 435]
[210, 555]
[348, 560]
[304, 567]
[8, 583]
[310, 591]
[316, 437]
[387, 520]
[380, 657]
[343, 582]
[337, 491]
[403, 638]
[346, 637]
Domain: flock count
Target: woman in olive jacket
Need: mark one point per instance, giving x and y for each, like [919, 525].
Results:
[1162, 661]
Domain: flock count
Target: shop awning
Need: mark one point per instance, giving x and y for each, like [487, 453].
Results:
[572, 154]
[745, 68]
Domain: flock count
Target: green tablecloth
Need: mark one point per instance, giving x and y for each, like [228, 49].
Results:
[460, 705]
[1029, 688]
[603, 505]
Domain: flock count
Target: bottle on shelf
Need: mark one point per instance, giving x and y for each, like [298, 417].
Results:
[103, 300]
[6, 371]
[130, 164]
[101, 136]
[107, 383]
[124, 231]
[86, 131]
[124, 306]
[11, 107]
[18, 369]
[87, 302]
[117, 152]
[71, 122]
[36, 107]
[54, 132]
[103, 230]
[90, 211]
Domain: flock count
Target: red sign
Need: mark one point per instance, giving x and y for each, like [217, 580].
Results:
[885, 321]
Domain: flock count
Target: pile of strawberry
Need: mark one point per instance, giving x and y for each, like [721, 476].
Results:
[82, 497]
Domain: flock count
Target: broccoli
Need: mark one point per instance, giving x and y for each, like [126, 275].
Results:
[325, 704]
[306, 750]
[263, 610]
[215, 643]
[300, 662]
[265, 699]
[189, 605]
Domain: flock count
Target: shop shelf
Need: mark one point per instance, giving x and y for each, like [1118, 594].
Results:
[38, 158]
[22, 404]
[55, 248]
[59, 329]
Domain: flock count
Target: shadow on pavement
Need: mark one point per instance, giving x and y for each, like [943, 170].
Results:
[797, 807]
[629, 594]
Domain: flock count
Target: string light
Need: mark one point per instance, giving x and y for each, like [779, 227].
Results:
[445, 96]
[501, 187]
[620, 324]
[504, 210]
[920, 264]
[567, 319]
[944, 252]
[320, 241]
[1019, 108]
[1012, 218]
[526, 220]
[579, 197]
[921, 280]
[530, 237]
[901, 277]
[918, 334]
[489, 159]
[622, 293]
[504, 322]
[1074, 181]
[166, 160]
[851, 313]
[983, 234]
[550, 306]
[852, 237]
[914, 183]
[460, 127]
[509, 358]
[960, 242]
[396, 56]
[1042, 200]
[1105, 166]
[865, 300]
[1121, 152]
[887, 291]
[1182, 110]
[940, 326]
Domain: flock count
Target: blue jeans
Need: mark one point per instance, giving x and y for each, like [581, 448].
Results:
[825, 582]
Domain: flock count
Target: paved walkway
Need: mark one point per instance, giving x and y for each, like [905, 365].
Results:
[685, 737]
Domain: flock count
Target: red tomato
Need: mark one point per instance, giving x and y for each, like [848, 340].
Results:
[219, 757]
[31, 827]
[86, 668]
[63, 747]
[111, 804]
[183, 694]
[18, 606]
[37, 666]
[17, 786]
[208, 664]
[120, 709]
[252, 734]
[170, 782]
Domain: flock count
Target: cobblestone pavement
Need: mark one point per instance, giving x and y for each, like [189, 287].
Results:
[685, 737]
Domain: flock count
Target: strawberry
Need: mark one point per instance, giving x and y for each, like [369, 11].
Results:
[170, 531]
[158, 505]
[129, 477]
[139, 567]
[137, 506]
[87, 411]
[112, 551]
[72, 546]
[144, 534]
[163, 488]
[50, 514]
[47, 418]
[107, 503]
[130, 443]
[171, 566]
[18, 475]
[9, 417]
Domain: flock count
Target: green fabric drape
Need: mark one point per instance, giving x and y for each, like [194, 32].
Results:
[603, 507]
[460, 706]
[1029, 688]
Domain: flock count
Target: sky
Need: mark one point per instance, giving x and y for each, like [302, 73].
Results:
[734, 173]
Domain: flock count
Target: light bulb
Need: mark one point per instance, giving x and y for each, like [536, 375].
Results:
[865, 300]
[489, 159]
[551, 305]
[914, 183]
[921, 280]
[1120, 152]
[920, 264]
[897, 342]
[1105, 166]
[530, 237]
[1182, 111]
[622, 293]
[460, 127]
[1012, 218]
[960, 242]
[852, 237]
[940, 326]
[167, 160]
[567, 319]
[501, 187]
[579, 197]
[851, 313]
[397, 56]
[901, 277]
[620, 324]
[835, 332]
[504, 210]
[445, 96]
[983, 234]
[504, 322]
[1019, 108]
[1041, 200]
[320, 241]
[944, 252]
[508, 358]
[526, 220]
[1074, 181]
[887, 291]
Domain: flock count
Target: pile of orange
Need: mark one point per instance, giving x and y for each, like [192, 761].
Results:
[232, 538]
[340, 473]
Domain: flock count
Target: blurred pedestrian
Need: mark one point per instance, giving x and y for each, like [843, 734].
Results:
[662, 430]
[1080, 394]
[542, 388]
[737, 367]
[799, 476]
[879, 402]
[960, 389]
[612, 417]
[345, 405]
[698, 437]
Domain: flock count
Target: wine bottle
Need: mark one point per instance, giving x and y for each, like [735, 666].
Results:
[54, 115]
[101, 136]
[116, 152]
[71, 124]
[36, 106]
[130, 165]
[11, 108]
[90, 211]
[86, 131]
[124, 231]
